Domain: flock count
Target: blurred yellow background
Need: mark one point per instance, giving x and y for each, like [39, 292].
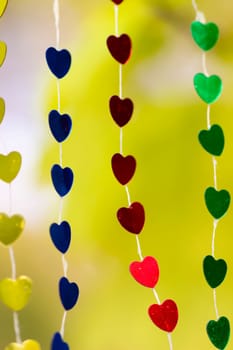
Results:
[172, 173]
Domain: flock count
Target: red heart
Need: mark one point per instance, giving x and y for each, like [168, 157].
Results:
[120, 47]
[164, 316]
[117, 2]
[121, 110]
[145, 272]
[132, 218]
[123, 168]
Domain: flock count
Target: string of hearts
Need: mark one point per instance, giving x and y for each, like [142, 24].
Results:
[209, 89]
[146, 271]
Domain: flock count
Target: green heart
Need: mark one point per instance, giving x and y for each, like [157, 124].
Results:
[219, 332]
[214, 270]
[217, 202]
[212, 140]
[205, 35]
[208, 88]
[2, 109]
[10, 166]
[15, 293]
[10, 228]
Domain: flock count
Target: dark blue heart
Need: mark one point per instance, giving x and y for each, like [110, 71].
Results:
[60, 125]
[62, 179]
[58, 61]
[58, 343]
[61, 235]
[69, 293]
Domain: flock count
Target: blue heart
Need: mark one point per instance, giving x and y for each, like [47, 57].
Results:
[58, 343]
[61, 235]
[62, 179]
[60, 125]
[69, 293]
[58, 61]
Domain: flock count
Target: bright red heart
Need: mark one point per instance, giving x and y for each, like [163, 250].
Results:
[164, 316]
[120, 47]
[121, 110]
[145, 272]
[123, 168]
[132, 218]
[117, 2]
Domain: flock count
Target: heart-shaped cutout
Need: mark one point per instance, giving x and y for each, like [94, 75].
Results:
[214, 270]
[68, 292]
[61, 236]
[120, 47]
[123, 168]
[62, 179]
[164, 316]
[117, 2]
[15, 293]
[205, 35]
[10, 228]
[219, 332]
[60, 125]
[2, 109]
[132, 218]
[10, 166]
[145, 272]
[3, 51]
[121, 110]
[212, 140]
[58, 343]
[59, 62]
[3, 5]
[26, 345]
[217, 202]
[208, 88]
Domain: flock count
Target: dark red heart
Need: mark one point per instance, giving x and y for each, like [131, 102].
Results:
[164, 316]
[145, 272]
[121, 110]
[120, 47]
[117, 2]
[132, 218]
[123, 168]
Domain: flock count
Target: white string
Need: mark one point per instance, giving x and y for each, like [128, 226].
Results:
[65, 265]
[215, 304]
[128, 195]
[205, 70]
[215, 224]
[139, 248]
[215, 163]
[116, 11]
[208, 117]
[58, 96]
[13, 263]
[199, 15]
[56, 11]
[156, 296]
[62, 331]
[17, 328]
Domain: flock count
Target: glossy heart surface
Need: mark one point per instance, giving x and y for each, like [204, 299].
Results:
[219, 332]
[214, 270]
[164, 316]
[59, 61]
[145, 272]
[123, 168]
[11, 228]
[132, 218]
[205, 35]
[217, 202]
[120, 47]
[10, 166]
[209, 88]
[15, 293]
[212, 140]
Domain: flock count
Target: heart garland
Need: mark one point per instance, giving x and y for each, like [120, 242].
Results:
[132, 217]
[209, 89]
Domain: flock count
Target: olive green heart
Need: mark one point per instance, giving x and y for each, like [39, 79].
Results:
[214, 270]
[15, 293]
[212, 140]
[10, 228]
[219, 332]
[26, 345]
[205, 35]
[208, 88]
[10, 166]
[3, 5]
[3, 50]
[2, 109]
[217, 202]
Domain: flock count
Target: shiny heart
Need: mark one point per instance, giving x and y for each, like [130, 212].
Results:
[59, 62]
[214, 270]
[123, 168]
[15, 293]
[26, 345]
[10, 228]
[62, 179]
[68, 292]
[212, 140]
[164, 316]
[219, 332]
[2, 109]
[10, 166]
[117, 2]
[121, 110]
[217, 202]
[120, 47]
[145, 272]
[208, 88]
[132, 218]
[3, 50]
[3, 5]
[205, 35]
[58, 343]
[61, 236]
[60, 125]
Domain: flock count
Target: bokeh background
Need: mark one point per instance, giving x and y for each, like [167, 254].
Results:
[172, 174]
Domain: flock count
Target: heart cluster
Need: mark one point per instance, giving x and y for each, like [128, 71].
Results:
[209, 89]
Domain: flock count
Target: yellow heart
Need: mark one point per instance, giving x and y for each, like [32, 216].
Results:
[27, 345]
[15, 293]
[10, 166]
[2, 108]
[10, 228]
[3, 50]
[3, 5]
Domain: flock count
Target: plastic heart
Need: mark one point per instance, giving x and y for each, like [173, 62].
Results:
[60, 125]
[3, 51]
[26, 345]
[121, 110]
[3, 5]
[59, 62]
[145, 272]
[120, 47]
[61, 236]
[58, 343]
[62, 179]
[212, 140]
[217, 202]
[208, 88]
[2, 109]
[69, 293]
[219, 332]
[205, 35]
[10, 166]
[214, 270]
[10, 228]
[123, 168]
[164, 316]
[132, 218]
[15, 293]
